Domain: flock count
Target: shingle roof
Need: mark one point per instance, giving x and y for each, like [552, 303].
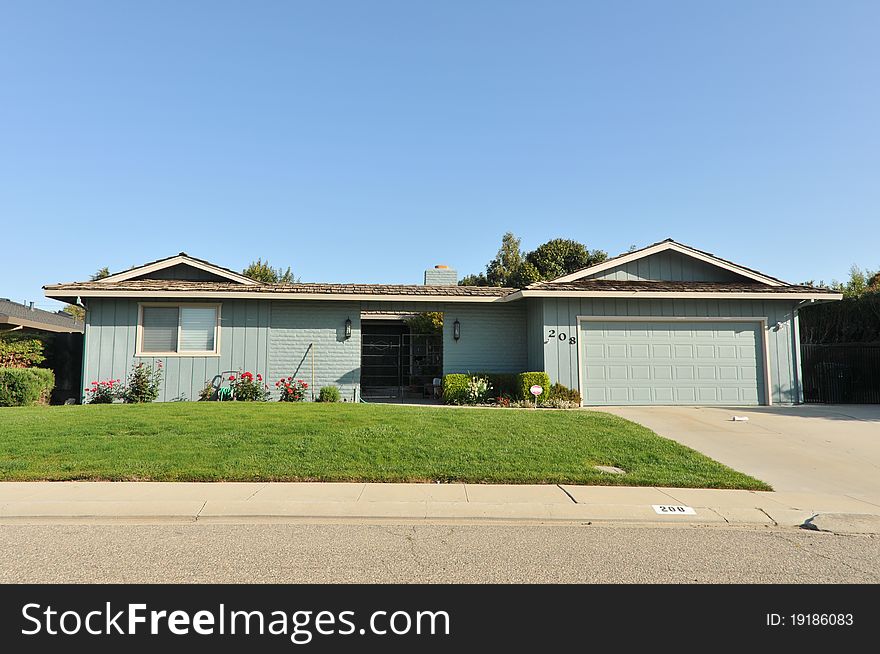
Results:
[673, 287]
[157, 285]
[13, 312]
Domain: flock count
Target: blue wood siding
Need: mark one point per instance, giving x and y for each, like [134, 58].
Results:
[534, 335]
[560, 315]
[182, 271]
[668, 266]
[109, 351]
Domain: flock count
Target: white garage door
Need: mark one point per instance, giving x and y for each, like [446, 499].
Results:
[660, 362]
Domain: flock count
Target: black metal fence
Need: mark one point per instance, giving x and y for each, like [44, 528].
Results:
[841, 374]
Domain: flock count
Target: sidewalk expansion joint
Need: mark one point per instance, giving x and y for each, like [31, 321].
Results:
[718, 513]
[775, 524]
[251, 496]
[570, 496]
[202, 508]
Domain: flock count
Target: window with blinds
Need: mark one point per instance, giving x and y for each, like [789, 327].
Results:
[178, 329]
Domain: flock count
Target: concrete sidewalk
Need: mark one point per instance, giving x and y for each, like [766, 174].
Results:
[239, 502]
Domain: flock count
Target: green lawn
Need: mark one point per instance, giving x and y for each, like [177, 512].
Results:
[213, 441]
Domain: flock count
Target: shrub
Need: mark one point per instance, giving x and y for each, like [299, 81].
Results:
[502, 383]
[529, 379]
[329, 394]
[560, 403]
[249, 388]
[18, 350]
[455, 388]
[560, 392]
[207, 393]
[103, 392]
[25, 386]
[292, 390]
[478, 390]
[143, 384]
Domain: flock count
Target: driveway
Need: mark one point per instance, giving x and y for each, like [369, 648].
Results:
[821, 449]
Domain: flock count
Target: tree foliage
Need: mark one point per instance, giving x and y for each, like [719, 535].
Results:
[514, 268]
[21, 350]
[101, 273]
[561, 256]
[855, 319]
[430, 322]
[500, 271]
[76, 311]
[261, 271]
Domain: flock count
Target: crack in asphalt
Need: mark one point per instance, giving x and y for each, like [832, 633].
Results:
[782, 536]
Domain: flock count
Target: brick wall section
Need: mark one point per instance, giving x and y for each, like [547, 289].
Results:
[493, 338]
[295, 326]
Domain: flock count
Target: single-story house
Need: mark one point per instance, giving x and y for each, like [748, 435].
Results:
[666, 324]
[15, 316]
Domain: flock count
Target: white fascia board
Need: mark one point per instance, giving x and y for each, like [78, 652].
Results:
[207, 295]
[693, 295]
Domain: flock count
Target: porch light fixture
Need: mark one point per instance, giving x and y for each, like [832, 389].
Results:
[456, 329]
[347, 328]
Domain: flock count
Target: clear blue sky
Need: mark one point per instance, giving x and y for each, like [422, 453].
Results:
[364, 141]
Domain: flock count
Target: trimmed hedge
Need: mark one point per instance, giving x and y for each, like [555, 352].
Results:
[329, 394]
[529, 379]
[455, 388]
[514, 386]
[25, 386]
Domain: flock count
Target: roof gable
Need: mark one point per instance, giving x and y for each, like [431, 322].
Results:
[181, 267]
[667, 261]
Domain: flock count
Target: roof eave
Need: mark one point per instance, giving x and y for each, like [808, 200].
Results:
[266, 295]
[715, 295]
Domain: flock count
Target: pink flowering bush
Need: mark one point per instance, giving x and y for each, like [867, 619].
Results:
[292, 390]
[247, 387]
[103, 392]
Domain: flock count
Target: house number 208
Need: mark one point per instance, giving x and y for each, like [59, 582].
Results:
[562, 336]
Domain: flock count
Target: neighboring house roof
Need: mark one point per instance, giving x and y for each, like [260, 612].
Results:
[193, 289]
[182, 258]
[612, 288]
[21, 315]
[662, 246]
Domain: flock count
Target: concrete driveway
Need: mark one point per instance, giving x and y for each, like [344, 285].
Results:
[807, 448]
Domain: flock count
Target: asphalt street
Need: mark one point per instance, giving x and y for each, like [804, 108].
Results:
[478, 553]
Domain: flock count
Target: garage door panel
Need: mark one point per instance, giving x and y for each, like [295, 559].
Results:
[662, 372]
[671, 362]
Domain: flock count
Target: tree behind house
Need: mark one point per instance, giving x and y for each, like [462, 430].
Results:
[261, 271]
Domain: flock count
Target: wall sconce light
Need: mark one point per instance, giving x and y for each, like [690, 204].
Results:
[456, 329]
[347, 328]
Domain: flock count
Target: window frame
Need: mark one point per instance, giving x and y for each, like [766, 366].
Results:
[178, 305]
